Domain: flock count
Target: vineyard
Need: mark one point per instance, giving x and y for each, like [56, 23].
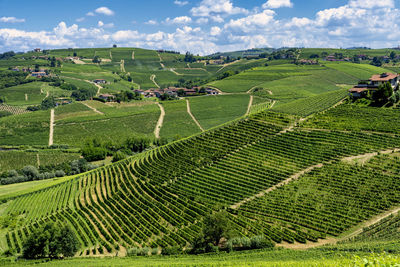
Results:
[314, 104]
[356, 118]
[12, 109]
[158, 199]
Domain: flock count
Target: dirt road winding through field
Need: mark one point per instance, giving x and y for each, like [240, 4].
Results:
[153, 79]
[51, 127]
[191, 115]
[249, 106]
[92, 108]
[160, 121]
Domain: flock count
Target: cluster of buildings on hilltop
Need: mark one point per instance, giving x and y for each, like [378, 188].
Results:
[364, 87]
[175, 92]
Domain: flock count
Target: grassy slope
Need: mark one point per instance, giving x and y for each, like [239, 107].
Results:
[177, 121]
[25, 129]
[212, 111]
[117, 123]
[14, 160]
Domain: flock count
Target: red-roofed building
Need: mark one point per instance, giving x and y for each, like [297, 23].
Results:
[373, 84]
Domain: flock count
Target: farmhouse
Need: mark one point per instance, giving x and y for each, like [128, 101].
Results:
[373, 83]
[37, 49]
[107, 97]
[100, 81]
[211, 91]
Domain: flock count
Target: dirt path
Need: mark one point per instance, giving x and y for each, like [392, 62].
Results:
[161, 61]
[26, 97]
[92, 108]
[160, 122]
[368, 156]
[273, 104]
[79, 62]
[249, 106]
[285, 182]
[133, 55]
[191, 115]
[153, 79]
[47, 94]
[174, 71]
[51, 127]
[38, 160]
[228, 64]
[110, 55]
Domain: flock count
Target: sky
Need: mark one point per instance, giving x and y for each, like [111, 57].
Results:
[199, 26]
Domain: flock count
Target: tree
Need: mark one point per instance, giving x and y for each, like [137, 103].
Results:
[30, 172]
[189, 57]
[376, 62]
[215, 227]
[75, 54]
[383, 93]
[50, 240]
[114, 45]
[93, 153]
[392, 55]
[96, 59]
[47, 103]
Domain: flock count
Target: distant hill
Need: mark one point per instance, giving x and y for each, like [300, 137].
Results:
[244, 53]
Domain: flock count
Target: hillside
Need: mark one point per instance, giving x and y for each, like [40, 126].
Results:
[160, 198]
[281, 149]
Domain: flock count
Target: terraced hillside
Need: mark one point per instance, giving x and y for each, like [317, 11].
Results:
[158, 199]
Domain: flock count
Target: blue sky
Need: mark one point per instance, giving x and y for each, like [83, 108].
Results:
[200, 26]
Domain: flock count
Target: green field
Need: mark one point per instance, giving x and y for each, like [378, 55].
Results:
[25, 129]
[279, 258]
[177, 122]
[212, 111]
[15, 160]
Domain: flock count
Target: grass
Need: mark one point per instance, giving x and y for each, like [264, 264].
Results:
[15, 160]
[25, 129]
[106, 129]
[177, 122]
[212, 111]
[24, 94]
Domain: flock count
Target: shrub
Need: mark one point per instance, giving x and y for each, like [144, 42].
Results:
[30, 172]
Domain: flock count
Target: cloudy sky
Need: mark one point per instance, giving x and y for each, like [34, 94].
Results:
[199, 26]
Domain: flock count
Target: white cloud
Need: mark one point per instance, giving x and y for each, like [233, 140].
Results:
[202, 20]
[353, 24]
[105, 25]
[151, 22]
[179, 20]
[215, 31]
[90, 14]
[208, 8]
[105, 11]
[252, 22]
[277, 4]
[181, 3]
[217, 19]
[80, 19]
[11, 20]
[371, 3]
